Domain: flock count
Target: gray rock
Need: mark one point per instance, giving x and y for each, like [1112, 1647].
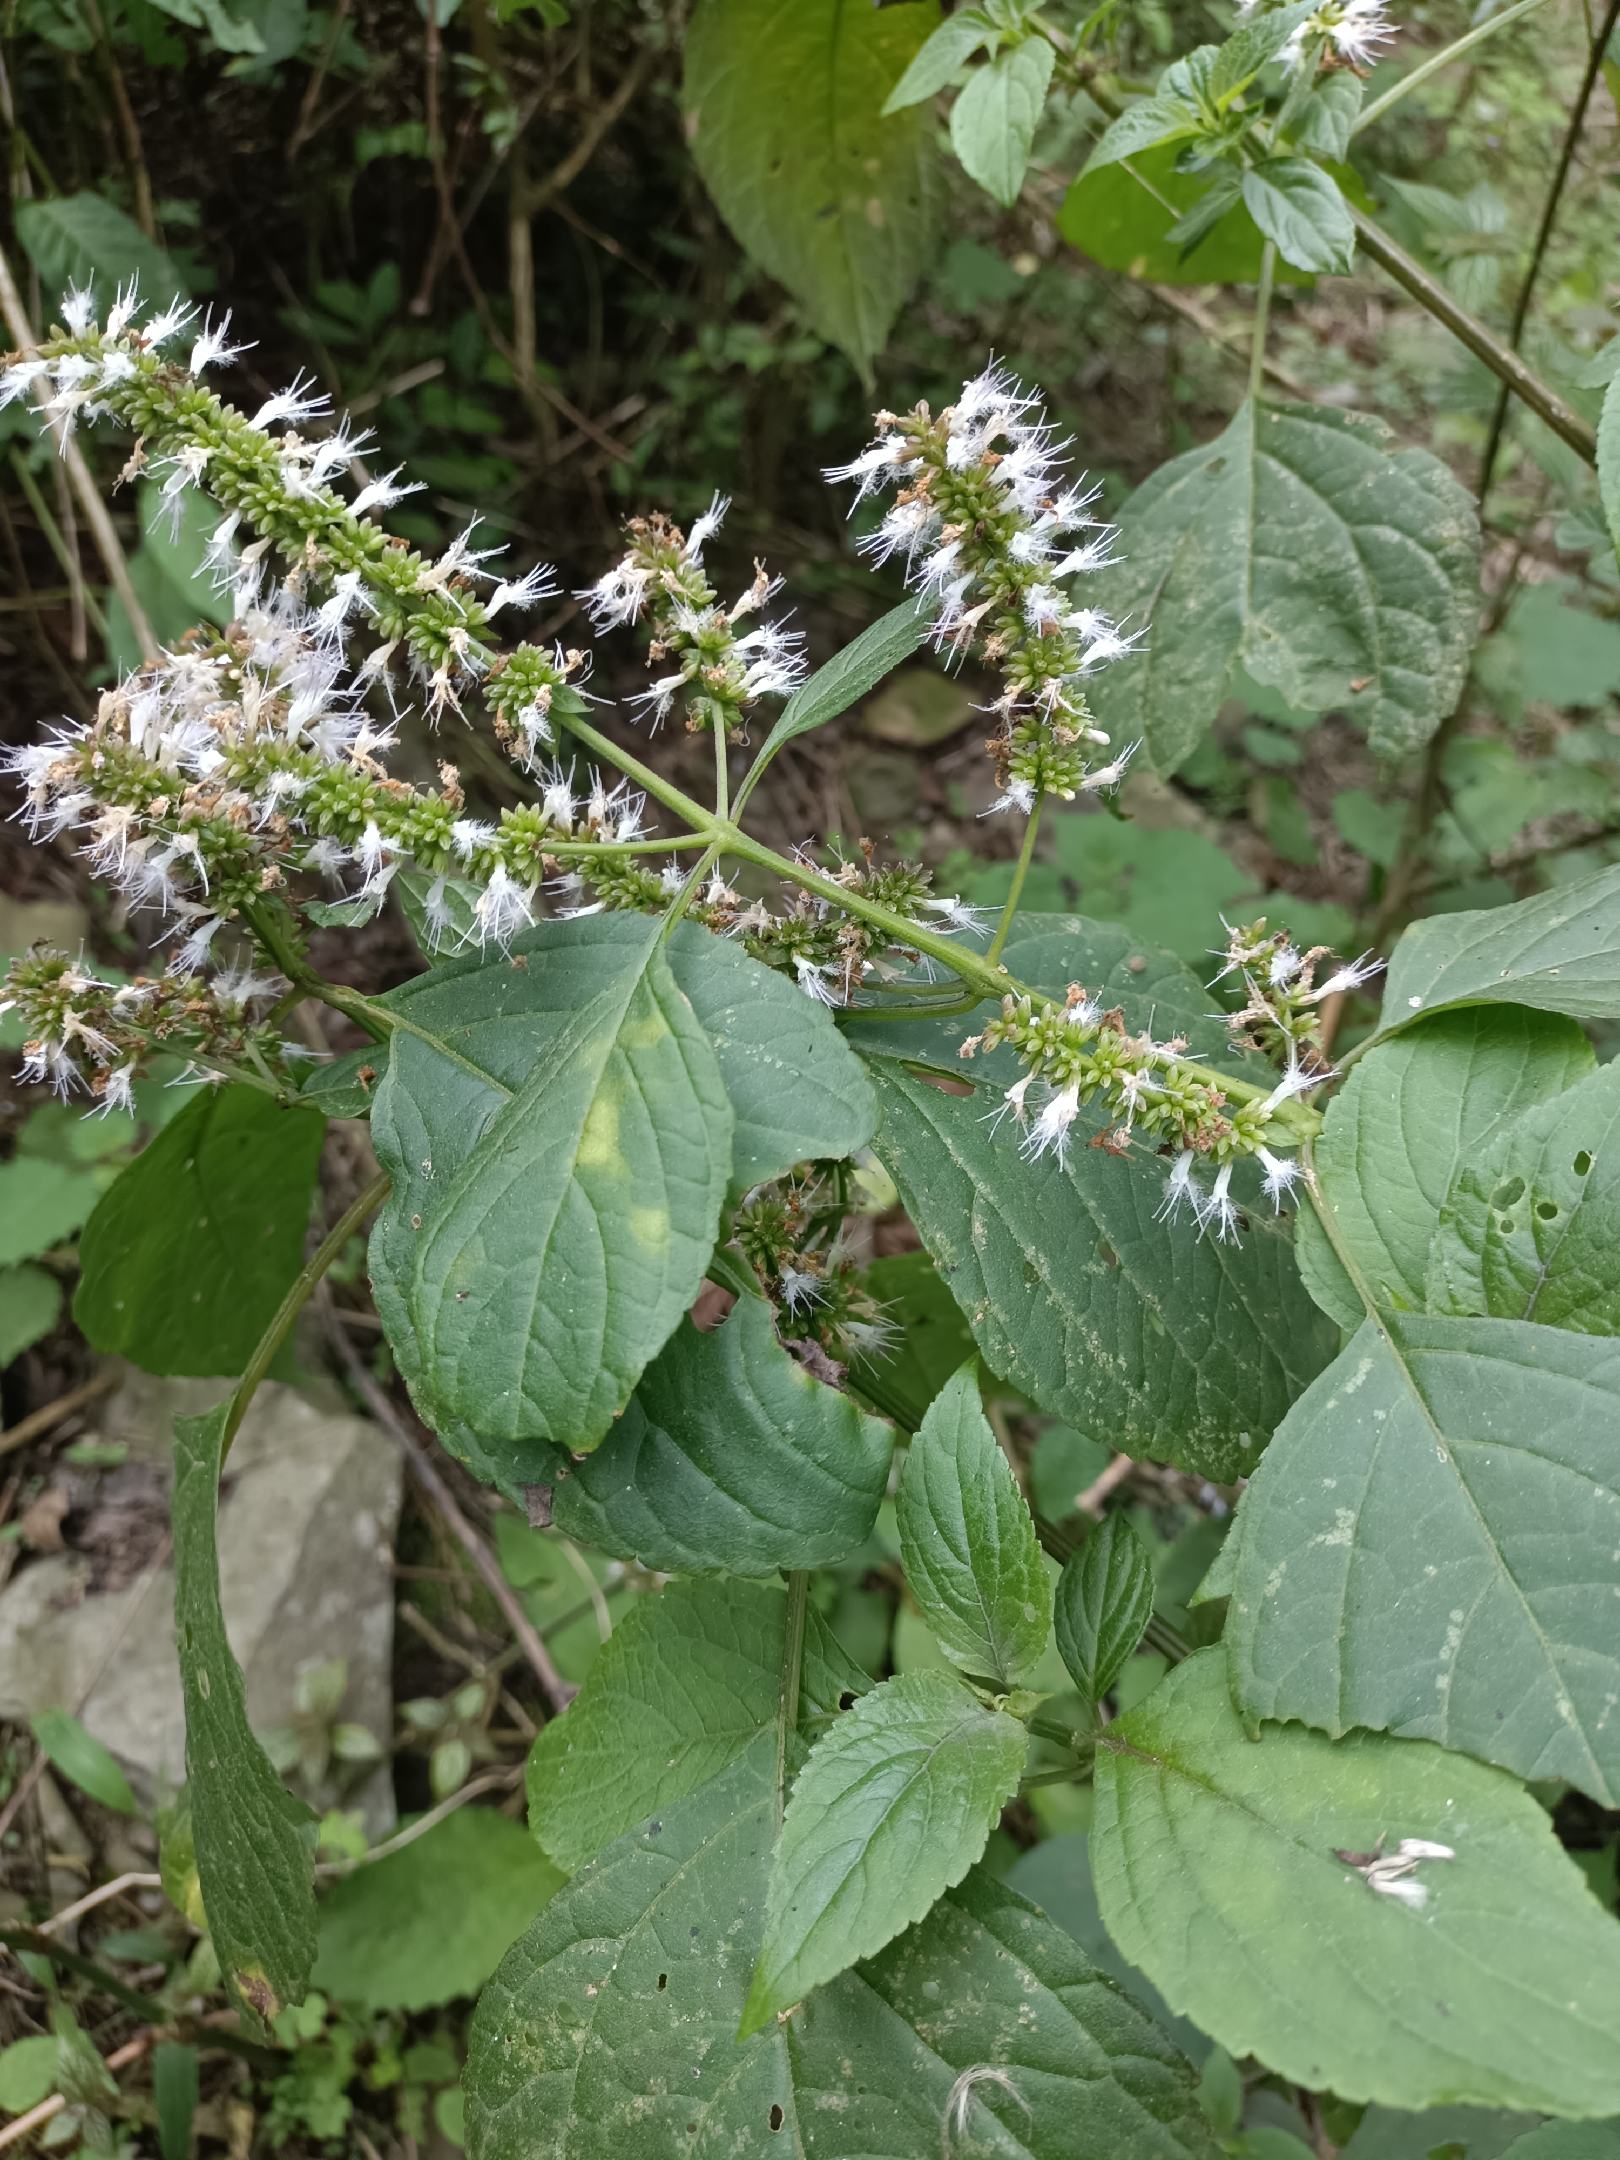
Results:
[306, 1528]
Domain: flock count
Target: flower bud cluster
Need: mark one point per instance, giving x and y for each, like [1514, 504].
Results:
[790, 1232]
[208, 779]
[1078, 1057]
[1282, 1015]
[830, 953]
[992, 538]
[276, 483]
[714, 668]
[85, 1034]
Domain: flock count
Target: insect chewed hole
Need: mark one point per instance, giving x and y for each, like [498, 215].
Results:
[1508, 1195]
[776, 2117]
[1547, 1210]
[1583, 1163]
[846, 1699]
[663, 1982]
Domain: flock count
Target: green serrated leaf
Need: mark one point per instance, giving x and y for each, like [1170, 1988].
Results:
[1175, 1347]
[253, 1841]
[1250, 46]
[796, 1089]
[610, 2028]
[1104, 1601]
[968, 1544]
[1409, 1117]
[892, 1808]
[1130, 217]
[1371, 610]
[79, 1755]
[731, 1459]
[27, 2072]
[1327, 120]
[940, 59]
[994, 119]
[1219, 1871]
[1300, 208]
[682, 1687]
[849, 674]
[184, 1262]
[1559, 952]
[1143, 126]
[1471, 1463]
[1531, 1222]
[784, 105]
[551, 1248]
[433, 1920]
[85, 240]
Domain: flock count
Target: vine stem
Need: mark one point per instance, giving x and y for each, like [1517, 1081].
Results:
[787, 1716]
[1442, 59]
[1544, 231]
[1262, 318]
[1015, 891]
[298, 1295]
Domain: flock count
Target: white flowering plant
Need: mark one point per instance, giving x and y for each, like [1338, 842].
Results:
[627, 1134]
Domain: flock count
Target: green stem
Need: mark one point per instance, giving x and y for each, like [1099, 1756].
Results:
[722, 778]
[1262, 316]
[297, 1297]
[1015, 891]
[1484, 344]
[1443, 59]
[787, 1717]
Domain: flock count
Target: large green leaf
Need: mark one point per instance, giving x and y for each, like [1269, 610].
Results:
[551, 1253]
[610, 2028]
[1429, 1548]
[1167, 1344]
[1559, 952]
[1122, 215]
[1104, 1601]
[1567, 2141]
[1531, 1225]
[254, 1843]
[968, 1543]
[1368, 604]
[683, 1685]
[1411, 1115]
[994, 119]
[896, 1802]
[731, 1459]
[86, 240]
[930, 1339]
[433, 1920]
[784, 103]
[1219, 1871]
[796, 1090]
[185, 1260]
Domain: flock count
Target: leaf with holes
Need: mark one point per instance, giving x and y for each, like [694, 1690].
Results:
[1173, 1346]
[1431, 1547]
[784, 106]
[1410, 1116]
[1227, 1870]
[1306, 548]
[551, 1250]
[1531, 1223]
[895, 1803]
[731, 1459]
[254, 1843]
[682, 1687]
[611, 2026]
[967, 1542]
